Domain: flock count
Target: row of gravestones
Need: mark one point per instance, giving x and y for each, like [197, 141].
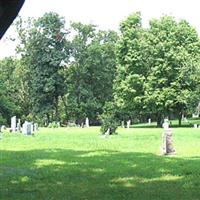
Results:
[128, 123]
[28, 128]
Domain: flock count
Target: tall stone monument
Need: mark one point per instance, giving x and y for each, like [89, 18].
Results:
[87, 125]
[128, 123]
[167, 148]
[13, 124]
[149, 121]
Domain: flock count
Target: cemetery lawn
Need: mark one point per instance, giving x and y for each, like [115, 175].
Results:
[78, 164]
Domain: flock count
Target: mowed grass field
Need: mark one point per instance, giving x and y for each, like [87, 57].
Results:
[78, 164]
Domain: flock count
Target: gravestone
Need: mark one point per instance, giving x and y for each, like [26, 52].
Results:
[13, 124]
[35, 126]
[32, 127]
[107, 133]
[19, 125]
[87, 122]
[128, 123]
[26, 128]
[58, 124]
[3, 127]
[195, 126]
[167, 148]
[149, 121]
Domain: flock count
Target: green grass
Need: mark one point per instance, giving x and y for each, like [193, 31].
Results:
[75, 163]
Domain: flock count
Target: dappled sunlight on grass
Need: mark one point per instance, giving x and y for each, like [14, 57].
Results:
[46, 162]
[80, 165]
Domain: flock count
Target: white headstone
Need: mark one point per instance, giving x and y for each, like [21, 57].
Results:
[165, 125]
[149, 120]
[19, 125]
[13, 124]
[87, 125]
[195, 126]
[128, 123]
[35, 126]
[26, 128]
[32, 127]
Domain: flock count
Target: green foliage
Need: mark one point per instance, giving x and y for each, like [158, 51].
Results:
[109, 119]
[89, 77]
[53, 125]
[158, 67]
[43, 48]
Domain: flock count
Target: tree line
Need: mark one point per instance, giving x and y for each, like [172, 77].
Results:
[68, 74]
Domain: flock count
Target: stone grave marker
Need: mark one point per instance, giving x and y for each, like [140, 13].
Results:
[13, 124]
[19, 125]
[195, 126]
[128, 123]
[35, 126]
[87, 125]
[26, 128]
[167, 148]
[149, 121]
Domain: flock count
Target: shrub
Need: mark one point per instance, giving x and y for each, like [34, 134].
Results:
[109, 119]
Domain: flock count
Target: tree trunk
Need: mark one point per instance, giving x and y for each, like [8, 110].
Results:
[159, 120]
[56, 109]
[180, 119]
[48, 118]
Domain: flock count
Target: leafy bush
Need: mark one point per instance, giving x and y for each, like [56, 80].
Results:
[53, 125]
[109, 119]
[71, 124]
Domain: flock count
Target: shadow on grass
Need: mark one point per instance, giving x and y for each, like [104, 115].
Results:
[68, 174]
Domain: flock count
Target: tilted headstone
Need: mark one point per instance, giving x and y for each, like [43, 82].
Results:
[87, 125]
[107, 133]
[13, 124]
[128, 123]
[167, 147]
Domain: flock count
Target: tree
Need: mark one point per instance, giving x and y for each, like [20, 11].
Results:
[43, 48]
[174, 79]
[89, 77]
[157, 67]
[132, 67]
[8, 90]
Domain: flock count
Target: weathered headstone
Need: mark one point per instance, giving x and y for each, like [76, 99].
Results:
[35, 126]
[32, 127]
[13, 124]
[58, 124]
[87, 122]
[128, 123]
[167, 147]
[195, 115]
[19, 125]
[26, 128]
[195, 126]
